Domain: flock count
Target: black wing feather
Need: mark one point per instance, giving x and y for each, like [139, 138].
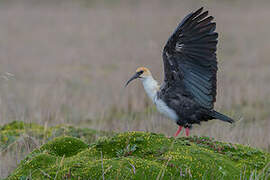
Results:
[190, 53]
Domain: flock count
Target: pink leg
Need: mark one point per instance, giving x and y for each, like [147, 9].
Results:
[187, 131]
[178, 131]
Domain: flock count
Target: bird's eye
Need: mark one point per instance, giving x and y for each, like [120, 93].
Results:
[140, 72]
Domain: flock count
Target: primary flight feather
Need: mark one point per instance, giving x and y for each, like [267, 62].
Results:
[188, 92]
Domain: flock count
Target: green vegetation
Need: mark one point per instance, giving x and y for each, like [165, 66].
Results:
[141, 155]
[12, 132]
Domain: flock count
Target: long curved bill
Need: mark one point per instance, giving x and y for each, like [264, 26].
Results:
[135, 76]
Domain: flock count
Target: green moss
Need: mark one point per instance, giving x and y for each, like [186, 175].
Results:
[64, 146]
[140, 155]
[36, 163]
[9, 133]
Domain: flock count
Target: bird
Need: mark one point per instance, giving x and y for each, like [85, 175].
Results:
[188, 92]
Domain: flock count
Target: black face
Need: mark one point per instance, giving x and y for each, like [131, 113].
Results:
[139, 73]
[135, 76]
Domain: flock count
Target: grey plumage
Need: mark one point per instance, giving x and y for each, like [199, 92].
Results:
[190, 68]
[188, 92]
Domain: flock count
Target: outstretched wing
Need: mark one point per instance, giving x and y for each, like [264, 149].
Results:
[189, 57]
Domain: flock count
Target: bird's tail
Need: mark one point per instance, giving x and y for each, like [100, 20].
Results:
[221, 117]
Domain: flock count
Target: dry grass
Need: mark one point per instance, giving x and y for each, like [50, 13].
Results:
[70, 60]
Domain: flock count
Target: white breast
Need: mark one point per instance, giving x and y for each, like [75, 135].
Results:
[151, 87]
[165, 110]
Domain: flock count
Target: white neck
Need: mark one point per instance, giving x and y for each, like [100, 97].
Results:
[151, 87]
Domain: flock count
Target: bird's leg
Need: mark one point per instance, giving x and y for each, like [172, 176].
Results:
[187, 131]
[178, 131]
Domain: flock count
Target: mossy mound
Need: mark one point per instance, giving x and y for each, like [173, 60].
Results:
[11, 132]
[140, 155]
[64, 146]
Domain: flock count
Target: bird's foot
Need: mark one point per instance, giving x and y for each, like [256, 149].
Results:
[187, 131]
[178, 131]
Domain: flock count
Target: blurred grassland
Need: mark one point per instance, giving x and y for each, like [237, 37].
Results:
[70, 60]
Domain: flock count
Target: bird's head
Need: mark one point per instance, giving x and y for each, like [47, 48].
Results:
[141, 73]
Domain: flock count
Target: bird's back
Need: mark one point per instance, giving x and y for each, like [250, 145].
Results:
[188, 111]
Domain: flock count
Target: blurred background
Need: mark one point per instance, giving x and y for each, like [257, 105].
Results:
[66, 61]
